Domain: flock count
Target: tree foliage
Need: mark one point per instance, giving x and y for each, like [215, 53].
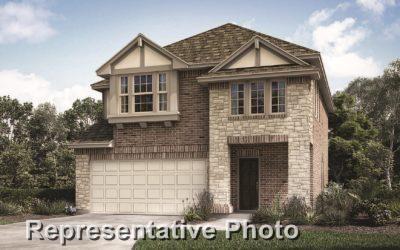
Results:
[33, 142]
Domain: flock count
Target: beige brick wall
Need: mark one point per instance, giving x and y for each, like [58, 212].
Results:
[296, 124]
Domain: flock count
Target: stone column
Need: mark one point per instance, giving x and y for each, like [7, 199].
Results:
[82, 186]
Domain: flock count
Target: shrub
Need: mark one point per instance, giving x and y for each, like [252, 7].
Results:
[48, 207]
[25, 196]
[9, 208]
[378, 212]
[269, 214]
[394, 207]
[334, 206]
[295, 210]
[201, 208]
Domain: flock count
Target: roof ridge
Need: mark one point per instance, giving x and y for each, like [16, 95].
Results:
[273, 37]
[198, 34]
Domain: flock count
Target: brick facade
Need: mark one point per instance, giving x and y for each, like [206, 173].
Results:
[273, 171]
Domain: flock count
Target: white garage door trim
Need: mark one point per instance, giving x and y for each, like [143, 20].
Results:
[145, 186]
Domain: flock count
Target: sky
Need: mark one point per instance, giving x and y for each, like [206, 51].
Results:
[50, 49]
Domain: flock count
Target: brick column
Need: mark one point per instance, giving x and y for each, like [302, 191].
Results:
[82, 186]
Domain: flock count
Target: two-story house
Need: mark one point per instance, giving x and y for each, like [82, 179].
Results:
[231, 110]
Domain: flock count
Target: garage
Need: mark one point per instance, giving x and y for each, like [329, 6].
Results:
[145, 186]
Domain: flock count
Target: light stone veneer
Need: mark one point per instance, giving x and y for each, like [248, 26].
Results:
[297, 124]
[82, 185]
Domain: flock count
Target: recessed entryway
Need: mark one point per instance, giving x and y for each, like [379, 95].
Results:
[248, 183]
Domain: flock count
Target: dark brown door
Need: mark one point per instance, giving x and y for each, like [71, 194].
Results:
[248, 183]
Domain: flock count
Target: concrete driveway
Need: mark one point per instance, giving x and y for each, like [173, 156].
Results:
[13, 236]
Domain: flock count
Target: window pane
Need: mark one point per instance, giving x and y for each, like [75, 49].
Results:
[124, 85]
[143, 79]
[257, 98]
[278, 97]
[163, 102]
[124, 104]
[143, 103]
[237, 99]
[162, 81]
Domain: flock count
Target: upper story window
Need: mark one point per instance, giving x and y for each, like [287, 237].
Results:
[278, 96]
[316, 102]
[162, 92]
[237, 99]
[124, 96]
[143, 93]
[257, 98]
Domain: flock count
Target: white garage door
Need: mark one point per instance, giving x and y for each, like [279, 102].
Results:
[145, 186]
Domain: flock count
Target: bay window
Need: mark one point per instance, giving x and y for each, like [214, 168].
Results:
[162, 92]
[124, 96]
[143, 93]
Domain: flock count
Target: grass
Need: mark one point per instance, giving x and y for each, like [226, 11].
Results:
[306, 240]
[4, 222]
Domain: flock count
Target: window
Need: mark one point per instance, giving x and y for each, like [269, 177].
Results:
[124, 98]
[162, 92]
[257, 98]
[237, 99]
[143, 92]
[278, 96]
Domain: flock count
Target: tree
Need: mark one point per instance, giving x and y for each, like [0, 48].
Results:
[82, 114]
[379, 98]
[352, 153]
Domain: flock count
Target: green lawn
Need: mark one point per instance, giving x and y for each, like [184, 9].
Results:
[3, 222]
[306, 240]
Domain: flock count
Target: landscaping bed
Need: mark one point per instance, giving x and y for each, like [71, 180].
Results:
[8, 219]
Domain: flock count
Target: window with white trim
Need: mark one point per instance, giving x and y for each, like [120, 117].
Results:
[124, 95]
[317, 102]
[257, 98]
[162, 92]
[237, 99]
[278, 97]
[143, 93]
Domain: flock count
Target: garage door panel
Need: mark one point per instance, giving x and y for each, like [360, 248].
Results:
[168, 165]
[111, 166]
[125, 166]
[145, 186]
[139, 207]
[97, 180]
[111, 193]
[139, 193]
[168, 179]
[125, 180]
[184, 179]
[98, 167]
[139, 179]
[98, 193]
[111, 180]
[125, 207]
[153, 194]
[140, 166]
[153, 179]
[125, 193]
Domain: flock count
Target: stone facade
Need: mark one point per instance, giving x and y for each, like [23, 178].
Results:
[296, 124]
[82, 185]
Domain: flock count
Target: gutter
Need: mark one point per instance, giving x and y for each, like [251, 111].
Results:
[99, 144]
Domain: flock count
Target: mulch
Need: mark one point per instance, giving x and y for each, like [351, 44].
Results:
[24, 217]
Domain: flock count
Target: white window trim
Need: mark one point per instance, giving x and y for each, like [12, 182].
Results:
[270, 96]
[159, 92]
[120, 94]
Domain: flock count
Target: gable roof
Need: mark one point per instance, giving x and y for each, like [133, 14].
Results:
[252, 42]
[137, 41]
[215, 45]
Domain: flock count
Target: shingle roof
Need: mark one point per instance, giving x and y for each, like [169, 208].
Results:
[215, 45]
[100, 131]
[264, 69]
